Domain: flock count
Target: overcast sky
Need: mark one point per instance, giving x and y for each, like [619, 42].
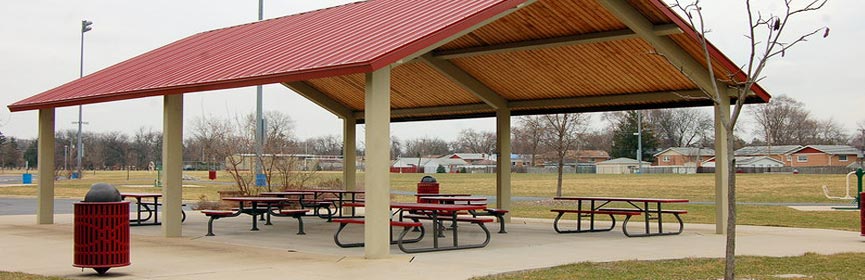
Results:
[40, 45]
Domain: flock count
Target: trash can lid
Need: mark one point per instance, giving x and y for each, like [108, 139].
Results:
[428, 179]
[102, 192]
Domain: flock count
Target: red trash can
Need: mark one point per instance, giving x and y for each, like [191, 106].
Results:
[101, 235]
[427, 185]
[211, 174]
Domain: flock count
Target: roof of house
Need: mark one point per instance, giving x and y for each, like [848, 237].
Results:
[688, 151]
[766, 150]
[831, 149]
[406, 162]
[620, 161]
[469, 156]
[751, 160]
[449, 59]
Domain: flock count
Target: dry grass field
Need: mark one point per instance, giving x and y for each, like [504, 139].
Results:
[752, 188]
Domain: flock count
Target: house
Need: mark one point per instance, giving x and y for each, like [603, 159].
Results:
[427, 165]
[779, 153]
[470, 158]
[759, 161]
[573, 157]
[619, 166]
[246, 162]
[683, 156]
[823, 155]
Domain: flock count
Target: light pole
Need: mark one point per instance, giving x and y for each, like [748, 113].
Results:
[259, 120]
[65, 157]
[85, 26]
[639, 135]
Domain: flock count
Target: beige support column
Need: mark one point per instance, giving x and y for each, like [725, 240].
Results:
[722, 171]
[377, 119]
[172, 165]
[349, 152]
[503, 163]
[45, 212]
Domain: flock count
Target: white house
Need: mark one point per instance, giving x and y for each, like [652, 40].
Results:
[619, 166]
[761, 161]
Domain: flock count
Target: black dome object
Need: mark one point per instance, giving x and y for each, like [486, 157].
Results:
[428, 179]
[102, 192]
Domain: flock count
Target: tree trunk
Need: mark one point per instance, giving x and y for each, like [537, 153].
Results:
[730, 253]
[559, 180]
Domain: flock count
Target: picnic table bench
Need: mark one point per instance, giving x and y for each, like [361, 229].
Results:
[439, 213]
[400, 240]
[637, 207]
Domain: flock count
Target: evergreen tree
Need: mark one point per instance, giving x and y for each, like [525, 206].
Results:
[625, 138]
[31, 154]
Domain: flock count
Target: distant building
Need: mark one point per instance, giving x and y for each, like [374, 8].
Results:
[780, 153]
[426, 165]
[619, 166]
[823, 155]
[683, 156]
[573, 158]
[760, 161]
[469, 158]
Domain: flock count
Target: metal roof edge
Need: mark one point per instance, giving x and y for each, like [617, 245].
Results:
[217, 85]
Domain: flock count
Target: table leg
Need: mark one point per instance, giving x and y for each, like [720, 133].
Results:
[591, 217]
[254, 215]
[155, 210]
[268, 215]
[435, 222]
[138, 207]
[660, 225]
[646, 209]
[579, 218]
[454, 227]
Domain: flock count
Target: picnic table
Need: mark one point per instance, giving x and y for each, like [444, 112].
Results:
[147, 203]
[340, 197]
[650, 208]
[255, 211]
[437, 214]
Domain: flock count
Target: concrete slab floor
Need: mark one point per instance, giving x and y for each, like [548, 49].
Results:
[276, 252]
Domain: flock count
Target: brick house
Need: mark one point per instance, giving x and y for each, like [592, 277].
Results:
[823, 155]
[780, 153]
[581, 157]
[683, 156]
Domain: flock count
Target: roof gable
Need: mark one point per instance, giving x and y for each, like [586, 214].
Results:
[353, 38]
[827, 149]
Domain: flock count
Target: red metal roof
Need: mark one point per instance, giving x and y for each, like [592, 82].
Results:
[353, 38]
[330, 49]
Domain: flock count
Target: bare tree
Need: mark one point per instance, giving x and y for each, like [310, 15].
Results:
[426, 146]
[471, 141]
[562, 132]
[766, 40]
[528, 136]
[679, 127]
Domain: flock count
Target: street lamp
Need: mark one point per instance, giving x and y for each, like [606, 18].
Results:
[85, 26]
[639, 135]
[65, 157]
[259, 120]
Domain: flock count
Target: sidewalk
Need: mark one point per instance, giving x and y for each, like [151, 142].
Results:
[276, 252]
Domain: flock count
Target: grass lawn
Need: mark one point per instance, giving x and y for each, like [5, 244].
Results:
[758, 188]
[809, 266]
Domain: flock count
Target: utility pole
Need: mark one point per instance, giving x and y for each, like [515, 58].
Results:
[639, 142]
[85, 26]
[259, 120]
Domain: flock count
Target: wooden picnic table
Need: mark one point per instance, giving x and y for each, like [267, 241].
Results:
[633, 206]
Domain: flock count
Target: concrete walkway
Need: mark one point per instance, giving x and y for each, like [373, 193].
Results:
[276, 252]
